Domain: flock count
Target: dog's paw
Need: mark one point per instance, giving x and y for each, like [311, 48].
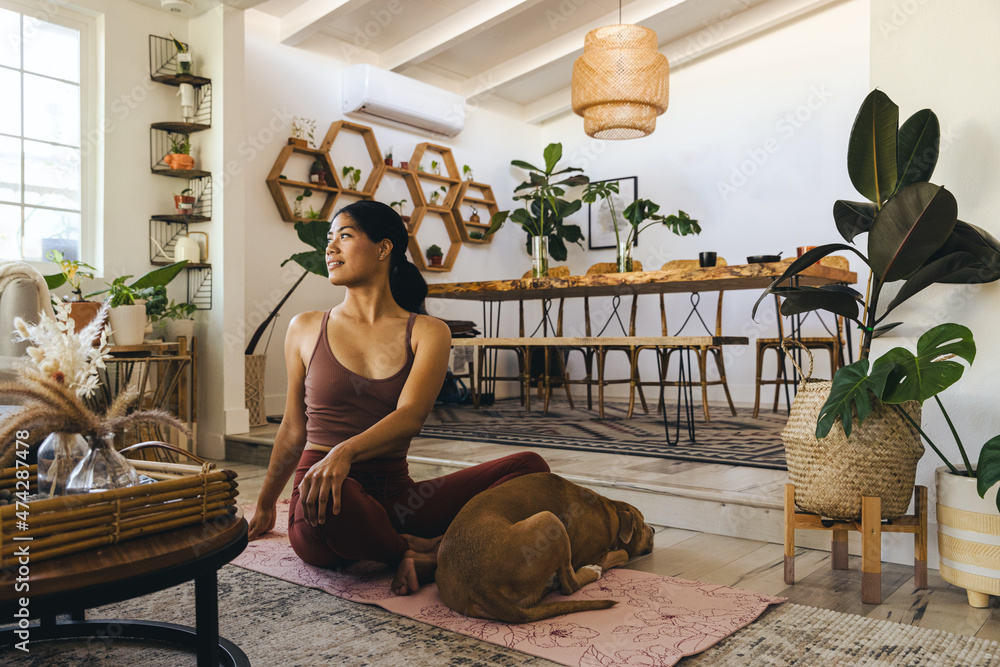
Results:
[595, 568]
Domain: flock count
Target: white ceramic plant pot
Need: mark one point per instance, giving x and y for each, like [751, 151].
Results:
[178, 328]
[968, 536]
[128, 324]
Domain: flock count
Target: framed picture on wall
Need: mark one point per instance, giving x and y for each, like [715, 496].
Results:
[601, 229]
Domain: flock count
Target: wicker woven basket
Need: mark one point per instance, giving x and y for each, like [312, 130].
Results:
[831, 475]
[254, 381]
[184, 495]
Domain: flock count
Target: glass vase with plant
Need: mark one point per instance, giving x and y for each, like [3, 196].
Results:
[303, 131]
[545, 209]
[183, 56]
[297, 203]
[467, 172]
[352, 177]
[635, 214]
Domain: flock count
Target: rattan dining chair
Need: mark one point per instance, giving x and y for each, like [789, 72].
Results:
[664, 352]
[832, 344]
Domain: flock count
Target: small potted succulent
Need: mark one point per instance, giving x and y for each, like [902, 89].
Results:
[388, 157]
[478, 236]
[179, 156]
[184, 202]
[317, 172]
[435, 255]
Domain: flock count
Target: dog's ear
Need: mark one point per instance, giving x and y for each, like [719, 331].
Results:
[626, 525]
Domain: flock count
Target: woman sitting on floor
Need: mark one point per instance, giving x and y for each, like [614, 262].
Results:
[362, 379]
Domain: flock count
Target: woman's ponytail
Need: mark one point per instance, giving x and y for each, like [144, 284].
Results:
[408, 286]
[378, 221]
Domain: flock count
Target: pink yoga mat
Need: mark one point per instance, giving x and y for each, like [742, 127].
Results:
[657, 621]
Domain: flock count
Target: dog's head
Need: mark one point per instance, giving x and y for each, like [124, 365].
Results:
[634, 536]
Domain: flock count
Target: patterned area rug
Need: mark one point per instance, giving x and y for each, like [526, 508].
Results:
[662, 617]
[739, 440]
[279, 623]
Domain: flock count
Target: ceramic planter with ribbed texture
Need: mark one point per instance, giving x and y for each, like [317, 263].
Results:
[968, 536]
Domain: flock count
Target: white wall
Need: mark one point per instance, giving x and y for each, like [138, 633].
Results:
[282, 82]
[942, 56]
[753, 145]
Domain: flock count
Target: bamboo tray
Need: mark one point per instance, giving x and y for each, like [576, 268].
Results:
[184, 495]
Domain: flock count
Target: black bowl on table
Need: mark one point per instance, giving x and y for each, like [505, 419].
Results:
[761, 259]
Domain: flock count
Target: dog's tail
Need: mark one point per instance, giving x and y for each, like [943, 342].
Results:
[548, 610]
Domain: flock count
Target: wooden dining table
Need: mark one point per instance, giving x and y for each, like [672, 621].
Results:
[492, 293]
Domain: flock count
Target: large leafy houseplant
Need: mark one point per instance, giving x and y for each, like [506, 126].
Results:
[313, 260]
[545, 205]
[636, 213]
[915, 240]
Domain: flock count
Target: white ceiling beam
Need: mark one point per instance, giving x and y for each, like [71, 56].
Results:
[562, 46]
[444, 35]
[312, 16]
[684, 51]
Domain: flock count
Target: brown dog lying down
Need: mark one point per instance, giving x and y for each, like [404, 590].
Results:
[512, 544]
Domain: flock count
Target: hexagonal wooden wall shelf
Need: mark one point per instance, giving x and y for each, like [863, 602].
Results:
[277, 185]
[417, 253]
[477, 195]
[410, 180]
[368, 135]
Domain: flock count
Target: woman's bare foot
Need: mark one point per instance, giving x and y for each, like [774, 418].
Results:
[416, 568]
[422, 544]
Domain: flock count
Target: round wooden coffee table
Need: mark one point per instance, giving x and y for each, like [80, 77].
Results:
[119, 572]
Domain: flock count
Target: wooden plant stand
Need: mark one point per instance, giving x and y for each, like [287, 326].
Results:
[871, 526]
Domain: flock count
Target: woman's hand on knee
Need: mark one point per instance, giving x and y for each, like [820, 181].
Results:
[262, 521]
[321, 486]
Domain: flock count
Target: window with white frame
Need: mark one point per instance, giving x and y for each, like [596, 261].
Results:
[42, 202]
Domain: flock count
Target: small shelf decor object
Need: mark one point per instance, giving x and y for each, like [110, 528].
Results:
[435, 255]
[871, 526]
[303, 132]
[620, 83]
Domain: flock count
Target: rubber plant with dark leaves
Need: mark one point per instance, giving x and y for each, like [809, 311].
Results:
[314, 235]
[915, 240]
[544, 205]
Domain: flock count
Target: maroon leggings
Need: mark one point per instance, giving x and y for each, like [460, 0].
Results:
[379, 500]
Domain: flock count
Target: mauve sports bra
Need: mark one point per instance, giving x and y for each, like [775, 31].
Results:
[340, 403]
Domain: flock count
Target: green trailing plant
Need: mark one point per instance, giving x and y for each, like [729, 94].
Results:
[70, 271]
[297, 205]
[915, 238]
[545, 208]
[434, 251]
[313, 260]
[476, 235]
[638, 212]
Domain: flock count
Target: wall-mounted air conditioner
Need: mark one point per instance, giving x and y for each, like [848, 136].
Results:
[379, 93]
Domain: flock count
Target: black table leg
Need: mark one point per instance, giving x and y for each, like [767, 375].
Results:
[206, 602]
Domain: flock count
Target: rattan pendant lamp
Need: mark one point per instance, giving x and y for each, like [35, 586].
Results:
[620, 83]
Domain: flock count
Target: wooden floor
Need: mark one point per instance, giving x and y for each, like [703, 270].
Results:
[731, 561]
